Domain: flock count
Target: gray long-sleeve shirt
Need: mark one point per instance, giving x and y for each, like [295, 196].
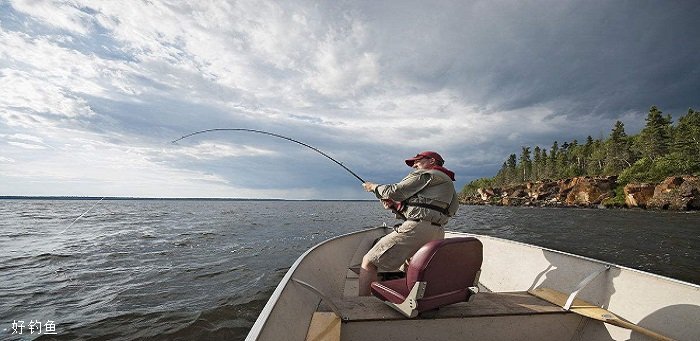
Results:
[427, 187]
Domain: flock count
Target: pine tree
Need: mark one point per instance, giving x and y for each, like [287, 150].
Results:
[502, 176]
[655, 138]
[618, 154]
[553, 155]
[512, 170]
[587, 151]
[562, 161]
[537, 163]
[686, 142]
[575, 167]
[525, 164]
[545, 165]
[596, 162]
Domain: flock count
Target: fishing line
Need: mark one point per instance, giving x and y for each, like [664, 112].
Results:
[270, 134]
[80, 216]
[91, 207]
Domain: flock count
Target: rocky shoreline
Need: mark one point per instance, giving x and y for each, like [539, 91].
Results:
[677, 193]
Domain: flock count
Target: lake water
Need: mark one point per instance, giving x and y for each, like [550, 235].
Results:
[196, 270]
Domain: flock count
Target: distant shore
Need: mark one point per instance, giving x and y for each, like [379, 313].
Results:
[675, 193]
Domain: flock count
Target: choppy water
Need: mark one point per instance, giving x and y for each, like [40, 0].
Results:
[196, 270]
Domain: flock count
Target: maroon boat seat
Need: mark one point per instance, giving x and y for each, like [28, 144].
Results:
[442, 272]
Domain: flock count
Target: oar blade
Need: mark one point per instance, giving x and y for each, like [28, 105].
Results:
[579, 306]
[589, 310]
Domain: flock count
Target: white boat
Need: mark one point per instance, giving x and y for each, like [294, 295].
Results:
[317, 299]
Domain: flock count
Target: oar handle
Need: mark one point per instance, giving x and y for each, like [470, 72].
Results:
[641, 330]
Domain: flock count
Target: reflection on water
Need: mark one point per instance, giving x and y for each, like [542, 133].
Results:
[204, 269]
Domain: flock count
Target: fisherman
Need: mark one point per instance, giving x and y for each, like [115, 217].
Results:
[425, 200]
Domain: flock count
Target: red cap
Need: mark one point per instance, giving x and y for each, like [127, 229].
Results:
[423, 155]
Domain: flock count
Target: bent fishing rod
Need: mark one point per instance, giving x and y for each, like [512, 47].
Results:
[270, 134]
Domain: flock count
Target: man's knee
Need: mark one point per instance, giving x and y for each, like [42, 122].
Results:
[367, 263]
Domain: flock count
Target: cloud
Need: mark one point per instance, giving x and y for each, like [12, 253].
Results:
[368, 82]
[212, 150]
[44, 59]
[59, 14]
[25, 145]
[26, 137]
[36, 97]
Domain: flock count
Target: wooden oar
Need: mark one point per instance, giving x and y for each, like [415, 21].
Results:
[589, 310]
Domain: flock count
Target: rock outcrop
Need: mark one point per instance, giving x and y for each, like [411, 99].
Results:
[486, 193]
[679, 193]
[543, 190]
[587, 191]
[638, 194]
[674, 193]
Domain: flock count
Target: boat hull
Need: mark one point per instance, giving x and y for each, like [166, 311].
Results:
[665, 305]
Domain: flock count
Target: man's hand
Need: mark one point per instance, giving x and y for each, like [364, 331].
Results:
[388, 203]
[369, 187]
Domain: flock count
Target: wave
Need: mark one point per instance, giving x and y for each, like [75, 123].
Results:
[221, 272]
[228, 320]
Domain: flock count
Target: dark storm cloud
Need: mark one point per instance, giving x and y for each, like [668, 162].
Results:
[579, 57]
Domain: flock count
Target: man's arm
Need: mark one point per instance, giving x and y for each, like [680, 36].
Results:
[454, 205]
[405, 189]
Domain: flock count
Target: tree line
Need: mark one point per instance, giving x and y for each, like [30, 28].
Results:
[660, 150]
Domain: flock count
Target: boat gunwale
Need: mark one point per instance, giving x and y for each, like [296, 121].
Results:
[594, 260]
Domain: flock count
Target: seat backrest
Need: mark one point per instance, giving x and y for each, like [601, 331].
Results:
[447, 265]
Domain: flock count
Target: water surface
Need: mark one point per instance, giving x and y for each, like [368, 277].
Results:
[204, 269]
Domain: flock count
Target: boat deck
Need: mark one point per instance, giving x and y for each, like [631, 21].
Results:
[370, 308]
[367, 318]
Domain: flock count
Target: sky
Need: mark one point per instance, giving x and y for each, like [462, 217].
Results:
[92, 92]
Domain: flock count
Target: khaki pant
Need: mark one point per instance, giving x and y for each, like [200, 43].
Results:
[390, 252]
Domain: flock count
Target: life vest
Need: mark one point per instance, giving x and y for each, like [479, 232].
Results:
[400, 207]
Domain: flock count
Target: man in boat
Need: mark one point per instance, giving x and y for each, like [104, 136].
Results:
[425, 200]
